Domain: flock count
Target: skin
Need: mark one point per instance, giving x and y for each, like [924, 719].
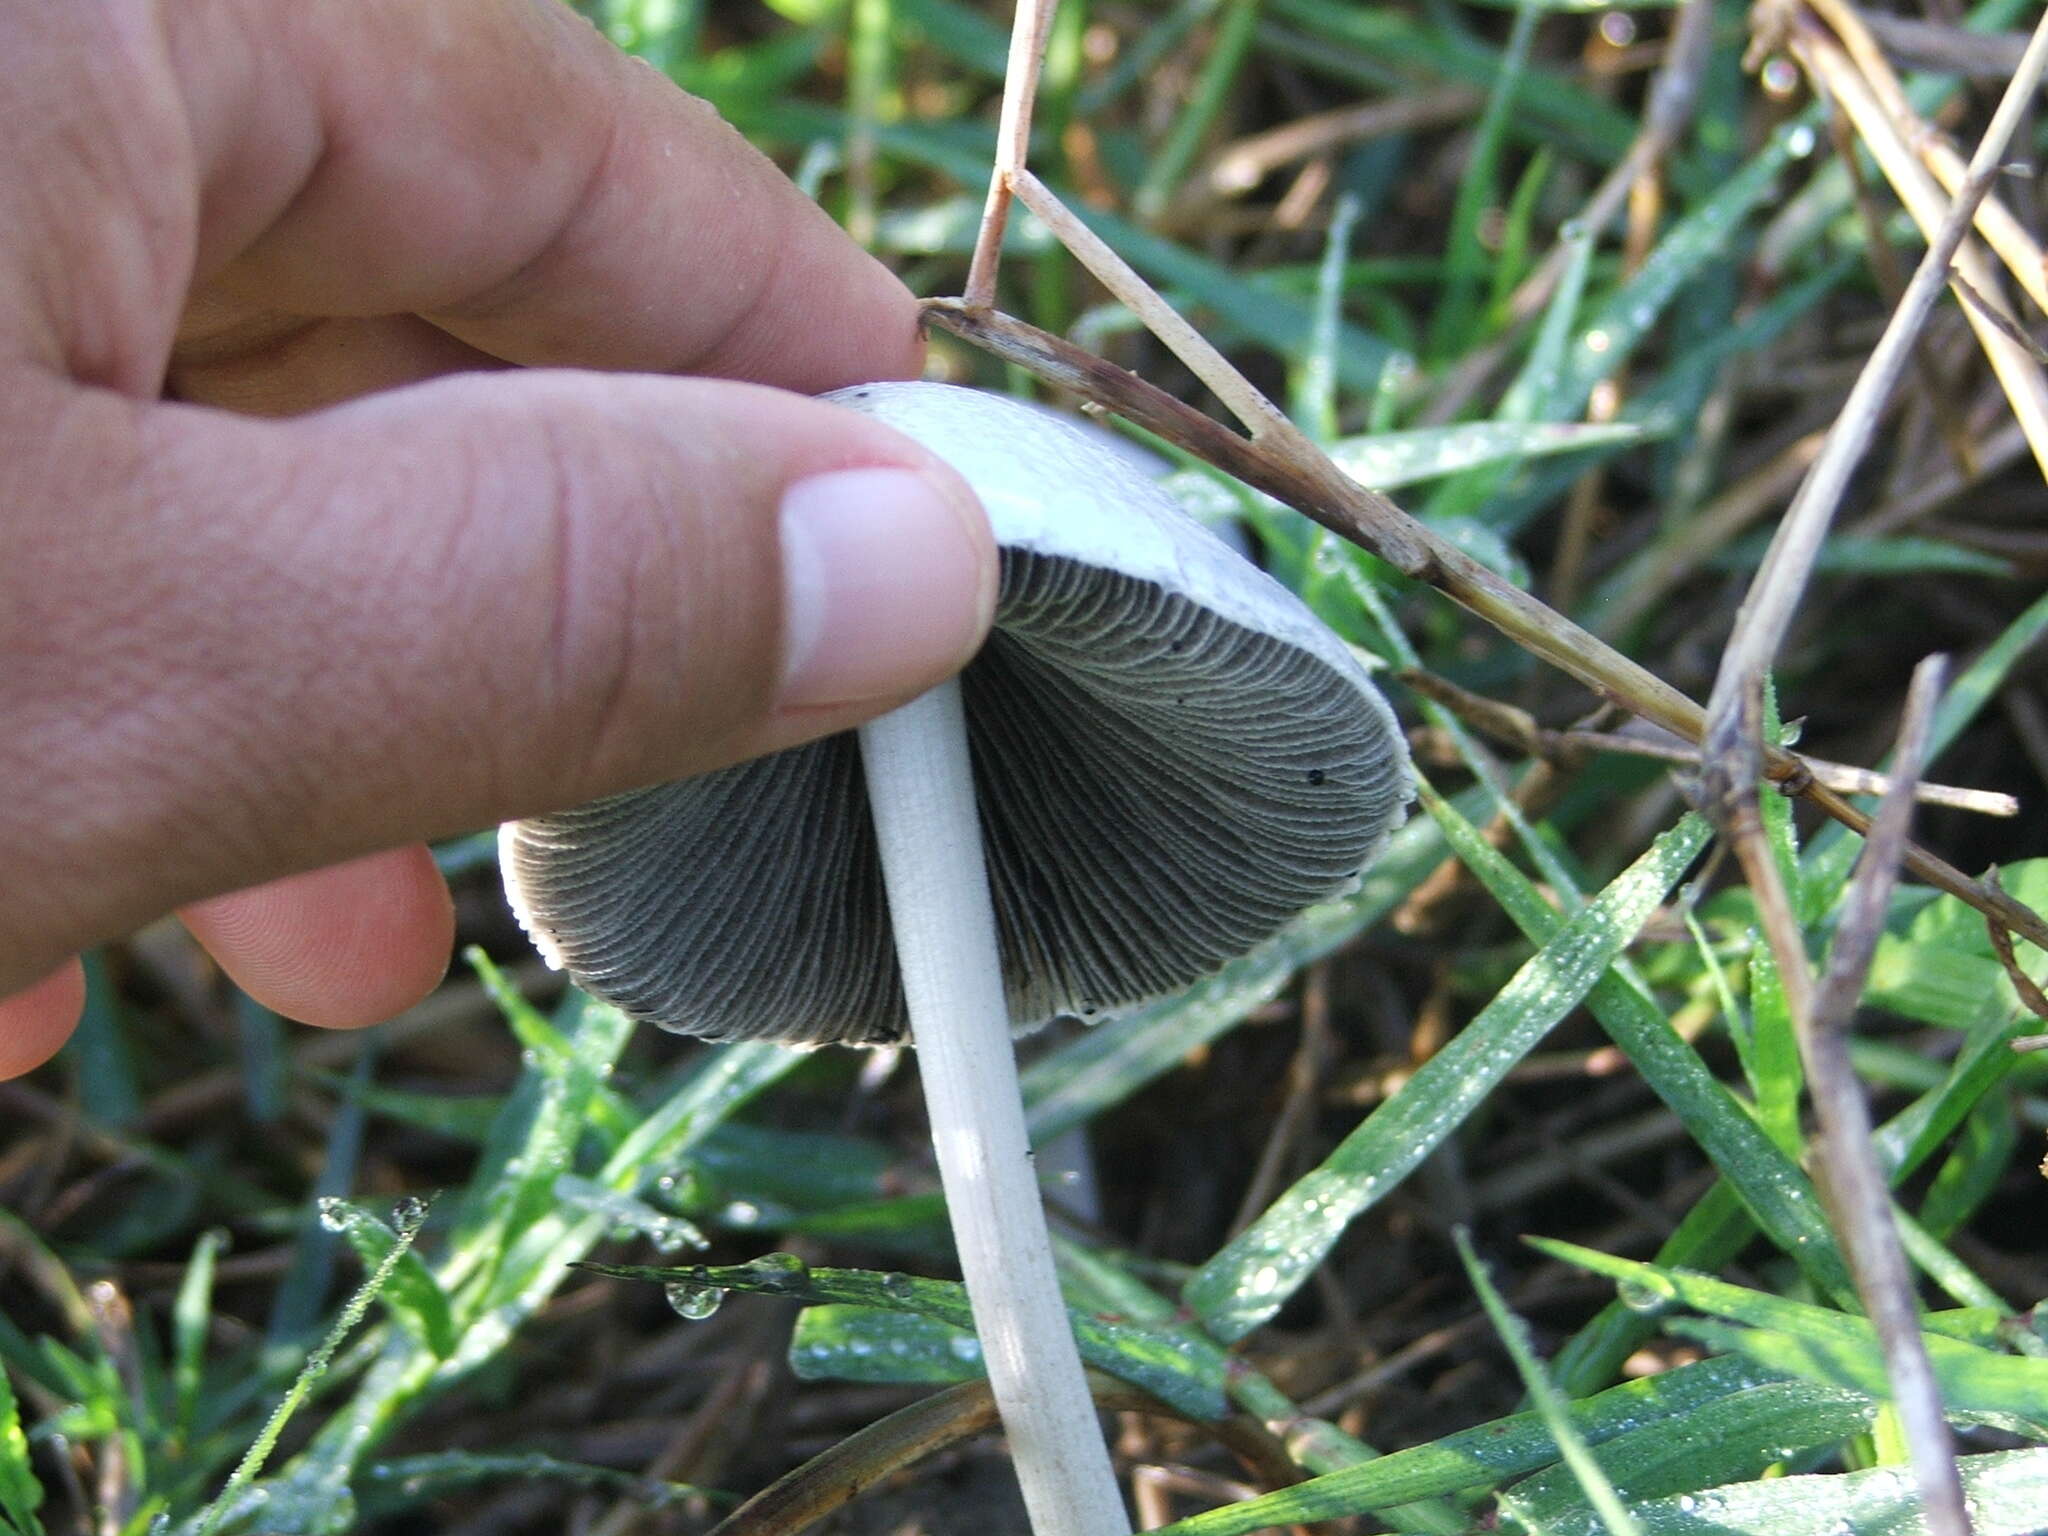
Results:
[349, 496]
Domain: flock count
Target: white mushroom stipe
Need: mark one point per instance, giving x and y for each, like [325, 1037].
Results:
[1167, 756]
[922, 790]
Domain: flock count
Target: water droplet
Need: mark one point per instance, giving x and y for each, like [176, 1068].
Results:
[409, 1212]
[336, 1214]
[780, 1273]
[693, 1299]
[1639, 1297]
[898, 1286]
[672, 1237]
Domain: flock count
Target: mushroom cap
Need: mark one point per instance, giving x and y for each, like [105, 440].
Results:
[1172, 757]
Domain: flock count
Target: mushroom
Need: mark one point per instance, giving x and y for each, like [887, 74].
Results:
[1159, 757]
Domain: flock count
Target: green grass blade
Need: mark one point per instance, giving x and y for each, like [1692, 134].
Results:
[1481, 1457]
[1170, 162]
[20, 1492]
[1254, 1274]
[1174, 1367]
[191, 1313]
[1315, 374]
[98, 1051]
[1731, 1438]
[837, 1342]
[962, 34]
[1551, 1407]
[404, 1482]
[2007, 1491]
[1391, 460]
[1713, 1232]
[1769, 1182]
[1941, 1266]
[302, 1295]
[228, 1505]
[410, 1292]
[1382, 46]
[1467, 262]
[804, 1170]
[1832, 1347]
[1974, 1168]
[1976, 1384]
[1703, 235]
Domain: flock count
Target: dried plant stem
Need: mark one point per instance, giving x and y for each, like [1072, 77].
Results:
[1242, 165]
[1028, 31]
[836, 1477]
[1314, 486]
[1260, 416]
[1855, 1184]
[1831, 67]
[1519, 729]
[1734, 749]
[1994, 221]
[1673, 99]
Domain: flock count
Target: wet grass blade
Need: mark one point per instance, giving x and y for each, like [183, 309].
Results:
[1482, 1457]
[1174, 1367]
[1254, 1274]
[1777, 1193]
[1586, 1473]
[1735, 1437]
[2007, 1491]
[1835, 1347]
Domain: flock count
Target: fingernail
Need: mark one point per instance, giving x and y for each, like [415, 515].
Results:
[884, 589]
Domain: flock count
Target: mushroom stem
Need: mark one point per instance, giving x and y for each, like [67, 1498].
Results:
[921, 792]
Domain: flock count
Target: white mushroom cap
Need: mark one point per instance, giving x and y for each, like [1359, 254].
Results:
[1172, 757]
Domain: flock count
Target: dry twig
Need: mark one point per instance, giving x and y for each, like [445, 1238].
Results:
[1859, 1194]
[1313, 486]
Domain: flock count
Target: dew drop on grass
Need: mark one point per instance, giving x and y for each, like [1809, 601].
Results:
[781, 1272]
[898, 1286]
[693, 1299]
[336, 1214]
[409, 1213]
[1640, 1297]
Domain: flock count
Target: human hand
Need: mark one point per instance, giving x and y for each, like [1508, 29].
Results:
[248, 665]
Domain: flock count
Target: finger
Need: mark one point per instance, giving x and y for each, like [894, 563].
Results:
[35, 1022]
[341, 947]
[500, 167]
[245, 648]
[272, 364]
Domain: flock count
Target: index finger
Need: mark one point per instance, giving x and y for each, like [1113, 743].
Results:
[499, 167]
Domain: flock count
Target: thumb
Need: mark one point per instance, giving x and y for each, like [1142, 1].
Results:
[258, 647]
